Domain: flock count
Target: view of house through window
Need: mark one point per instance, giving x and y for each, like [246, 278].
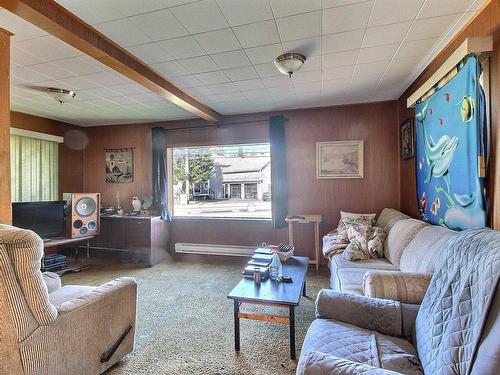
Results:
[223, 181]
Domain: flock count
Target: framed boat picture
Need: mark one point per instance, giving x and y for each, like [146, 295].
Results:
[339, 159]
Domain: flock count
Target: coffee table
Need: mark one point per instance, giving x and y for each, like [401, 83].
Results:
[272, 293]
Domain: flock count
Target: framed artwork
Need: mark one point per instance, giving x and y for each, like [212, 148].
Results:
[407, 139]
[120, 166]
[339, 159]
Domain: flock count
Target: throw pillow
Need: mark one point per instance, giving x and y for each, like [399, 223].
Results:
[344, 214]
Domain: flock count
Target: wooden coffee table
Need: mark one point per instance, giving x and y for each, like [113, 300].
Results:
[272, 293]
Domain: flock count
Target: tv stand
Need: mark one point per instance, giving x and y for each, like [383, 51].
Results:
[62, 241]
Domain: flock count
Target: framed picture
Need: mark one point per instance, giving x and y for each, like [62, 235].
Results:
[407, 139]
[120, 166]
[339, 159]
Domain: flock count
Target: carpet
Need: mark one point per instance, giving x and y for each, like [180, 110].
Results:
[185, 321]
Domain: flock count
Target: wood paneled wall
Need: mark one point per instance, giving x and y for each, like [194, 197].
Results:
[5, 205]
[375, 123]
[487, 22]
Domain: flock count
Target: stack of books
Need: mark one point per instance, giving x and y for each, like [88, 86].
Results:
[261, 259]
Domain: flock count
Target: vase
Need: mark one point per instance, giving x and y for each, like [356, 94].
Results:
[136, 203]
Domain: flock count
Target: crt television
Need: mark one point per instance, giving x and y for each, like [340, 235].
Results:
[47, 219]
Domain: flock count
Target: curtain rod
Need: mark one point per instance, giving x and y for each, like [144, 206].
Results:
[216, 125]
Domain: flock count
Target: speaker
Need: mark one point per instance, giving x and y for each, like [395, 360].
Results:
[83, 214]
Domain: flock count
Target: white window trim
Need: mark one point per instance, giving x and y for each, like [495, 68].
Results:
[37, 135]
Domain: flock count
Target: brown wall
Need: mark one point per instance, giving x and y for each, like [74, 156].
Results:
[71, 155]
[375, 123]
[485, 23]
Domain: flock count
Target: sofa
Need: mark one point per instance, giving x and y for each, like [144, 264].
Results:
[46, 328]
[453, 328]
[410, 251]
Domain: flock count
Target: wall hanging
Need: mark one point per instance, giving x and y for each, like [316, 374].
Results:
[339, 159]
[451, 130]
[120, 165]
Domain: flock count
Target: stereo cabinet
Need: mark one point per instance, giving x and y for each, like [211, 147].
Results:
[144, 238]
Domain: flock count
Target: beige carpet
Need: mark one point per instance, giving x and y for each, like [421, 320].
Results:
[185, 321]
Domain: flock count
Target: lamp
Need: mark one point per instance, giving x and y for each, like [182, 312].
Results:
[61, 95]
[289, 63]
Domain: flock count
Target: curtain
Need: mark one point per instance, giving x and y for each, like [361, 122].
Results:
[279, 180]
[34, 169]
[160, 178]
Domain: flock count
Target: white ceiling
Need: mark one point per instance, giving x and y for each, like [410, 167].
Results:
[222, 51]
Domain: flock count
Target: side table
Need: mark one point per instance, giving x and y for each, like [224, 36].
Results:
[306, 219]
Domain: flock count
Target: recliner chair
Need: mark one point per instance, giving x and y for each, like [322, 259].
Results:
[64, 330]
[455, 330]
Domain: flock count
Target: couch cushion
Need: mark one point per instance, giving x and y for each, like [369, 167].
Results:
[352, 282]
[398, 238]
[360, 345]
[388, 217]
[67, 293]
[423, 251]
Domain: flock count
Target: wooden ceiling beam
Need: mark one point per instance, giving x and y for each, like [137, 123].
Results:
[61, 23]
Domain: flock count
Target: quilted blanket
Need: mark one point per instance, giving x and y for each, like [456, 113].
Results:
[454, 309]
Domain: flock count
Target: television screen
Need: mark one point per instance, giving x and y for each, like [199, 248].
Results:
[47, 219]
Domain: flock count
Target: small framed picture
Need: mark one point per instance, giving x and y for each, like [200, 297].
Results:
[339, 159]
[407, 139]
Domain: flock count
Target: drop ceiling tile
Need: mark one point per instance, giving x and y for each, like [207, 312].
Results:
[283, 8]
[128, 89]
[256, 94]
[338, 73]
[306, 76]
[241, 12]
[218, 41]
[52, 70]
[212, 77]
[308, 47]
[392, 11]
[251, 84]
[334, 60]
[79, 65]
[435, 8]
[232, 59]
[78, 83]
[416, 48]
[432, 27]
[159, 25]
[257, 34]
[267, 70]
[342, 41]
[174, 3]
[307, 88]
[372, 54]
[200, 16]
[106, 79]
[23, 58]
[300, 26]
[182, 48]
[278, 81]
[312, 63]
[187, 81]
[99, 92]
[29, 75]
[200, 64]
[260, 55]
[92, 11]
[218, 88]
[371, 69]
[150, 53]
[388, 34]
[123, 32]
[345, 18]
[133, 7]
[171, 68]
[47, 48]
[241, 74]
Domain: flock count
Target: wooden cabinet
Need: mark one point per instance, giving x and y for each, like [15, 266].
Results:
[144, 238]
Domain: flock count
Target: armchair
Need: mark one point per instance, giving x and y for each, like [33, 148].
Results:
[49, 329]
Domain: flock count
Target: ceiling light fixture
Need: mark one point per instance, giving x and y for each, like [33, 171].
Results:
[289, 63]
[61, 95]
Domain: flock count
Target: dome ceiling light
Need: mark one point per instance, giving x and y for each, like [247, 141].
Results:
[289, 63]
[61, 95]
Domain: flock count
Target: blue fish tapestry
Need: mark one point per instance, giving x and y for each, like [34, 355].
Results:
[450, 127]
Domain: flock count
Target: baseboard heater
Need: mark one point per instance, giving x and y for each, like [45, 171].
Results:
[211, 249]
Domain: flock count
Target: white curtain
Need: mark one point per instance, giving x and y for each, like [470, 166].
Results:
[34, 169]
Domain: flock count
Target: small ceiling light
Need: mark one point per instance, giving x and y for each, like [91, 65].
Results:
[289, 63]
[61, 95]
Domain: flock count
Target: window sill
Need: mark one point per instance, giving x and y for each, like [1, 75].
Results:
[232, 219]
